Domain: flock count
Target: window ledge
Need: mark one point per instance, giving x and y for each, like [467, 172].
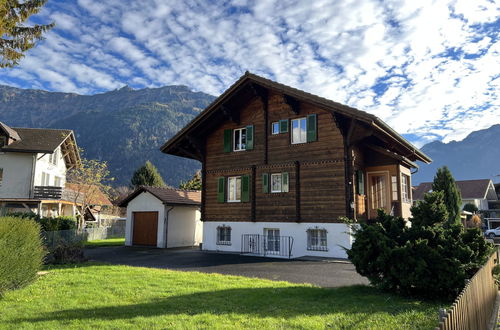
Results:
[223, 243]
[317, 249]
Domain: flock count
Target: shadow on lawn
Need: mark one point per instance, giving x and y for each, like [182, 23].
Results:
[262, 302]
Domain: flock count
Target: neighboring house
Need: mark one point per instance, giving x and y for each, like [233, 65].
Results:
[281, 166]
[95, 199]
[478, 192]
[33, 166]
[163, 217]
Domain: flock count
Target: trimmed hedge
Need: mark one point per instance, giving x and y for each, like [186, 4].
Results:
[48, 224]
[21, 252]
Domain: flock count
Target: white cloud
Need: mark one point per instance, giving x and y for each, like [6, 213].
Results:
[437, 60]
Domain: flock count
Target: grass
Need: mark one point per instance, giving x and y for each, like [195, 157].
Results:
[96, 295]
[106, 242]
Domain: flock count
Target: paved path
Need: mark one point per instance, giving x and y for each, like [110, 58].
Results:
[325, 272]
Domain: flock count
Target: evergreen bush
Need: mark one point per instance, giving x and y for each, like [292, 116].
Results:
[432, 259]
[21, 252]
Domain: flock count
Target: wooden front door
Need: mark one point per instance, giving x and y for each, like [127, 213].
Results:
[378, 193]
[145, 228]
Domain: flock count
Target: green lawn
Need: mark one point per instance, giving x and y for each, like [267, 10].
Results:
[106, 242]
[104, 296]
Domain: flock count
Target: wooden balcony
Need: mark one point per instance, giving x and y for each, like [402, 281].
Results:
[48, 192]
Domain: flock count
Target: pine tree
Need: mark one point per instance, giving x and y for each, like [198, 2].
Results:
[443, 181]
[147, 175]
[193, 184]
[15, 38]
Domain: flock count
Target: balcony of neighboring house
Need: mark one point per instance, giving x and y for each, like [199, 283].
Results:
[56, 201]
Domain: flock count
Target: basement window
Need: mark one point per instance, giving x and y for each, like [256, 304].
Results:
[316, 239]
[223, 235]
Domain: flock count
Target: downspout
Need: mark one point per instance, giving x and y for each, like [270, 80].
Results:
[166, 222]
[32, 183]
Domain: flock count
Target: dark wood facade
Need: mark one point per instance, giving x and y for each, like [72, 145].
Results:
[323, 175]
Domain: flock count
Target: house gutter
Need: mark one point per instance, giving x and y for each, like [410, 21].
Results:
[167, 211]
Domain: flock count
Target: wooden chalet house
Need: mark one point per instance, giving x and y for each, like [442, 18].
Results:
[33, 166]
[281, 166]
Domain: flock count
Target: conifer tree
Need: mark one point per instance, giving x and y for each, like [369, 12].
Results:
[147, 175]
[15, 37]
[193, 184]
[444, 181]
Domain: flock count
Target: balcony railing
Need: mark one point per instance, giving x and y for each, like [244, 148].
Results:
[56, 193]
[48, 192]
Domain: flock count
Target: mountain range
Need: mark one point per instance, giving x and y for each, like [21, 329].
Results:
[126, 127]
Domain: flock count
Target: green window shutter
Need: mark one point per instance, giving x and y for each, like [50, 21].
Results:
[312, 129]
[249, 144]
[228, 135]
[245, 188]
[265, 182]
[284, 182]
[360, 182]
[283, 125]
[221, 189]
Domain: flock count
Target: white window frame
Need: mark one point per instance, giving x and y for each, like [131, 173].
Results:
[57, 178]
[405, 188]
[302, 137]
[280, 180]
[55, 156]
[394, 187]
[240, 139]
[45, 179]
[275, 132]
[318, 236]
[233, 197]
[223, 233]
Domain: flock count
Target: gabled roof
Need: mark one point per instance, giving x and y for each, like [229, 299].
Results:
[169, 196]
[97, 198]
[248, 79]
[43, 140]
[469, 189]
[9, 131]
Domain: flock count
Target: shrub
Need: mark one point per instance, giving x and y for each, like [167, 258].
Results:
[21, 252]
[431, 259]
[59, 223]
[469, 207]
[68, 252]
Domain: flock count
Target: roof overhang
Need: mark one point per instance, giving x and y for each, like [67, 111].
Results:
[180, 143]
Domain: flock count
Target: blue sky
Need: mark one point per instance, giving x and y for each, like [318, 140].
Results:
[430, 69]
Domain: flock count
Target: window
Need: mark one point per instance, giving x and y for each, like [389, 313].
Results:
[1, 176]
[276, 182]
[394, 186]
[275, 128]
[299, 130]
[3, 141]
[316, 240]
[279, 182]
[239, 139]
[45, 179]
[57, 181]
[378, 192]
[405, 188]
[234, 189]
[224, 235]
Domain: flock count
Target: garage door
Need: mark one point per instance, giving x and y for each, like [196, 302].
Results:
[145, 228]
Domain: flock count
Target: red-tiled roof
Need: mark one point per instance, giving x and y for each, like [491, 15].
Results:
[470, 189]
[167, 195]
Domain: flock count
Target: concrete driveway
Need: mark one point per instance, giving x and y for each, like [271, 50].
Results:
[321, 272]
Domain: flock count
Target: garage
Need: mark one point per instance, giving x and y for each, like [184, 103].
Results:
[163, 217]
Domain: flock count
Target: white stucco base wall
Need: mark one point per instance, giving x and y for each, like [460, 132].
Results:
[338, 236]
[184, 226]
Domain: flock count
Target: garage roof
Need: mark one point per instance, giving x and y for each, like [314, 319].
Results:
[170, 196]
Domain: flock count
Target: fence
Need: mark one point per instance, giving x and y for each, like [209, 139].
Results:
[54, 238]
[267, 245]
[473, 307]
